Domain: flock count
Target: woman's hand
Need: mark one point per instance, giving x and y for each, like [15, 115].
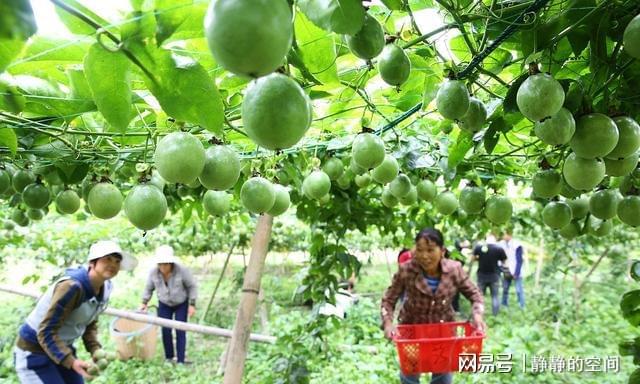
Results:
[143, 308]
[479, 323]
[191, 310]
[81, 367]
[389, 331]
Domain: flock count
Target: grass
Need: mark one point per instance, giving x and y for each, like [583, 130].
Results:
[552, 325]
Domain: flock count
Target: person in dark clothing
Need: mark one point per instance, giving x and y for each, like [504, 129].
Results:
[488, 255]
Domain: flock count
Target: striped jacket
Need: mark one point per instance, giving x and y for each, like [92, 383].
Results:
[421, 305]
[67, 311]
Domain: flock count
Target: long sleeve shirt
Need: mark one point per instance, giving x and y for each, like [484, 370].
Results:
[180, 286]
[67, 311]
[422, 304]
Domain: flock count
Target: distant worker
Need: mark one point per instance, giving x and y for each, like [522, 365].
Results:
[514, 267]
[177, 294]
[489, 255]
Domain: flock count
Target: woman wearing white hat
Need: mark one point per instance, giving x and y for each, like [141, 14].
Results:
[177, 294]
[44, 351]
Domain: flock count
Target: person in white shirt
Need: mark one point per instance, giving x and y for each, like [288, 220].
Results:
[514, 267]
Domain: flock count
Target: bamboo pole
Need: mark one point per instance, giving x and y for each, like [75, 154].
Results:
[593, 268]
[539, 265]
[264, 313]
[144, 318]
[247, 309]
[188, 327]
[215, 290]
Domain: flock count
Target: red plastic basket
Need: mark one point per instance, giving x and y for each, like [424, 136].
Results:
[436, 347]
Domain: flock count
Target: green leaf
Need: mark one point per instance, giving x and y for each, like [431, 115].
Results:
[492, 135]
[55, 51]
[509, 104]
[12, 100]
[579, 39]
[317, 50]
[630, 305]
[72, 173]
[186, 91]
[459, 149]
[539, 38]
[79, 85]
[634, 378]
[45, 98]
[459, 48]
[635, 270]
[139, 26]
[9, 49]
[339, 16]
[108, 76]
[179, 19]
[628, 347]
[16, 20]
[394, 5]
[187, 212]
[497, 60]
[9, 139]
[74, 24]
[432, 81]
[598, 51]
[45, 57]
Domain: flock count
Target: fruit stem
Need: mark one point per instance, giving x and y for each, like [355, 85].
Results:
[544, 164]
[533, 68]
[215, 141]
[367, 130]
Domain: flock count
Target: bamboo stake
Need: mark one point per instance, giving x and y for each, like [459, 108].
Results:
[144, 318]
[539, 264]
[264, 315]
[576, 280]
[204, 329]
[247, 309]
[593, 268]
[215, 290]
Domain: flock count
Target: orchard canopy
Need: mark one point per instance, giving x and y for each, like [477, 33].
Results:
[347, 110]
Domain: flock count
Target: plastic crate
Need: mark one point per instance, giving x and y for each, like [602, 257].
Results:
[436, 347]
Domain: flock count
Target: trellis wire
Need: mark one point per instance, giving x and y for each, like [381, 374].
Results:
[510, 30]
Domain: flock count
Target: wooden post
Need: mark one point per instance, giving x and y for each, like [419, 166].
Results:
[247, 309]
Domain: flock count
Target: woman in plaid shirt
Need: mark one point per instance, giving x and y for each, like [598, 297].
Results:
[429, 282]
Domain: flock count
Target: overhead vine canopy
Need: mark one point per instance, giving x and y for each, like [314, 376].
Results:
[96, 105]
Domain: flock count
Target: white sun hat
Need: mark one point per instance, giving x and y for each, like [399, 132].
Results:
[164, 255]
[104, 248]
